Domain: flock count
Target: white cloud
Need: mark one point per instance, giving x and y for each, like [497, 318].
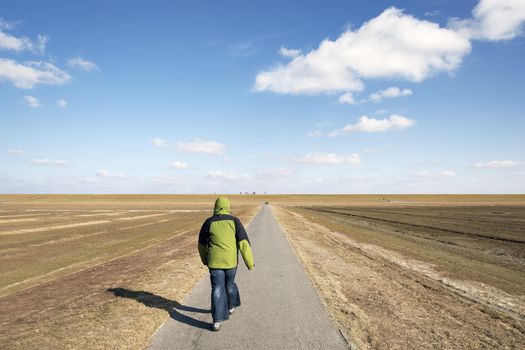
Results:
[391, 45]
[433, 13]
[160, 143]
[202, 146]
[81, 64]
[261, 176]
[9, 42]
[46, 161]
[327, 158]
[243, 49]
[32, 101]
[493, 20]
[498, 164]
[315, 133]
[392, 91]
[308, 74]
[274, 172]
[448, 173]
[179, 165]
[31, 74]
[220, 175]
[227, 159]
[168, 180]
[5, 24]
[102, 173]
[107, 174]
[62, 103]
[434, 174]
[347, 98]
[18, 44]
[292, 53]
[366, 124]
[41, 42]
[196, 146]
[15, 151]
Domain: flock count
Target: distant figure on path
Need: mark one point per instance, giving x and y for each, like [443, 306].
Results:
[220, 237]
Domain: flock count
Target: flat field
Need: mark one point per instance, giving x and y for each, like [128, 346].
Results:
[444, 272]
[395, 271]
[97, 272]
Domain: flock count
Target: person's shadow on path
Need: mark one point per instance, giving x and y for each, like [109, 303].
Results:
[171, 306]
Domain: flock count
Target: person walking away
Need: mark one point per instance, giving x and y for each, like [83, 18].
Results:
[221, 237]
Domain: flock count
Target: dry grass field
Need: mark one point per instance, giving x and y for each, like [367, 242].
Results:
[436, 274]
[97, 272]
[396, 271]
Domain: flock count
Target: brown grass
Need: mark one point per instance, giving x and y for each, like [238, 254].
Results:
[483, 244]
[393, 286]
[110, 285]
[100, 286]
[162, 201]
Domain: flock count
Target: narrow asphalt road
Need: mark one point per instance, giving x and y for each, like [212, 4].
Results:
[280, 308]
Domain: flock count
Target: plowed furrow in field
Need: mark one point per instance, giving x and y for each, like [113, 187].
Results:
[397, 222]
[77, 224]
[450, 215]
[61, 250]
[384, 299]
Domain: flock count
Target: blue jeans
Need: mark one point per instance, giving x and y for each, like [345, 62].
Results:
[224, 293]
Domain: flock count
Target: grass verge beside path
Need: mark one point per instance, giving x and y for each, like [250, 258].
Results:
[382, 299]
[118, 304]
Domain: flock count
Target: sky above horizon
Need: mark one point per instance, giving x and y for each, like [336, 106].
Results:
[262, 96]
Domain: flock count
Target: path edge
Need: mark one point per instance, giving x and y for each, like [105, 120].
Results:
[347, 340]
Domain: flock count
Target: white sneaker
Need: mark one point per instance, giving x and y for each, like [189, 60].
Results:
[216, 326]
[231, 310]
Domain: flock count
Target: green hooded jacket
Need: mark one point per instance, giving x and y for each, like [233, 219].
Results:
[220, 238]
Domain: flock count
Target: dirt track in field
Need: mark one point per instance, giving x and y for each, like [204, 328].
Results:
[417, 277]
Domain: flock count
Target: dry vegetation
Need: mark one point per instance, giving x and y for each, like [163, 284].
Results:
[97, 272]
[413, 276]
[104, 271]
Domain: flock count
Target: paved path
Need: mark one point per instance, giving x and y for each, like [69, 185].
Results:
[280, 308]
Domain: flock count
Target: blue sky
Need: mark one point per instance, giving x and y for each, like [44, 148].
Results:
[265, 96]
